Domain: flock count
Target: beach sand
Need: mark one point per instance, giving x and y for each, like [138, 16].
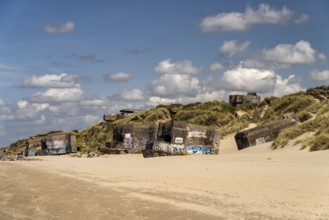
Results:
[255, 183]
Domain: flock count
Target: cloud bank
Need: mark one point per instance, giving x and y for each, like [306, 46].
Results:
[237, 21]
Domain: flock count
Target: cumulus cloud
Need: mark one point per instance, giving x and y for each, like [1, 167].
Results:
[2, 103]
[62, 80]
[302, 19]
[320, 76]
[247, 79]
[118, 77]
[182, 67]
[155, 100]
[129, 95]
[232, 47]
[237, 21]
[216, 67]
[60, 28]
[58, 95]
[174, 85]
[94, 102]
[300, 53]
[257, 80]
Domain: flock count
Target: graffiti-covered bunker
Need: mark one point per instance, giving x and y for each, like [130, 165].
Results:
[261, 134]
[131, 138]
[52, 143]
[180, 138]
[169, 138]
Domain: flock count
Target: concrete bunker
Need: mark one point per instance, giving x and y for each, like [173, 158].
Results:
[262, 134]
[52, 143]
[181, 138]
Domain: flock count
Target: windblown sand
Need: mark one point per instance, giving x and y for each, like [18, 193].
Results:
[255, 183]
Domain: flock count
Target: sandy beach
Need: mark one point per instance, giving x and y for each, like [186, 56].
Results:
[255, 183]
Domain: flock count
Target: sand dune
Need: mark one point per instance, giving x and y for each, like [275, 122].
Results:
[255, 183]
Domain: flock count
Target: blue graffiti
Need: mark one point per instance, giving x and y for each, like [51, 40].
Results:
[198, 149]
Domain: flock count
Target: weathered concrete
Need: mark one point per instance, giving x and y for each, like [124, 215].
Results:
[261, 134]
[51, 143]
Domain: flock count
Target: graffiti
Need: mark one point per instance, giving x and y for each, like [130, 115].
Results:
[54, 144]
[128, 142]
[197, 134]
[176, 149]
[58, 144]
[198, 149]
[260, 140]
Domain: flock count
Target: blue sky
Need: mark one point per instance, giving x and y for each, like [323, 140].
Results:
[63, 64]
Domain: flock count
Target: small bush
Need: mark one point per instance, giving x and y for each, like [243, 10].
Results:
[304, 116]
[319, 142]
[233, 127]
[286, 135]
[290, 103]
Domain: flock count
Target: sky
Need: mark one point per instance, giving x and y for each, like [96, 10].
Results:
[64, 64]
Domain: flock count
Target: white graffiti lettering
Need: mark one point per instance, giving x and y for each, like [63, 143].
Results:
[197, 134]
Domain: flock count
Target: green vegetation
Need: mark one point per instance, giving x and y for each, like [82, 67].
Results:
[319, 125]
[290, 103]
[94, 137]
[320, 93]
[153, 115]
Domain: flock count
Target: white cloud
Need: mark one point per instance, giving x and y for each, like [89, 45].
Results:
[285, 86]
[155, 100]
[216, 67]
[232, 47]
[22, 104]
[261, 64]
[60, 28]
[200, 96]
[321, 76]
[247, 79]
[265, 82]
[236, 21]
[302, 19]
[129, 95]
[183, 67]
[58, 95]
[300, 53]
[62, 80]
[175, 85]
[94, 102]
[2, 103]
[118, 77]
[25, 110]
